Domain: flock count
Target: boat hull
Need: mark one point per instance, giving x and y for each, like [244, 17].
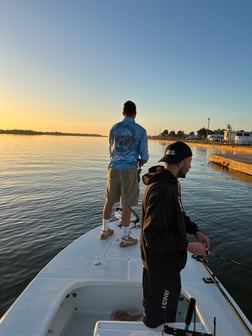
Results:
[80, 291]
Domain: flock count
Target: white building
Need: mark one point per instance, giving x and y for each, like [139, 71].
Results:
[238, 137]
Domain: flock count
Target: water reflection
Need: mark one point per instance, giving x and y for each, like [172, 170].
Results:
[230, 174]
[52, 191]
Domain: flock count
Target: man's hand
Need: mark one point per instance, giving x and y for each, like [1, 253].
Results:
[203, 239]
[197, 249]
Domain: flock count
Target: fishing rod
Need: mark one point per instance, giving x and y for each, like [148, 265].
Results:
[214, 254]
[134, 218]
[225, 293]
[173, 331]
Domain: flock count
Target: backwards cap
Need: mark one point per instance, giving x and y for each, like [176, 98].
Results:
[176, 152]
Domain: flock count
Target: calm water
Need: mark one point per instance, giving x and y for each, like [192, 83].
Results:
[52, 191]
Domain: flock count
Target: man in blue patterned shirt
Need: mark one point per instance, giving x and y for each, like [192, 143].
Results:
[128, 148]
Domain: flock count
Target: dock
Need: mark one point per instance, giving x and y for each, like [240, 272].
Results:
[240, 162]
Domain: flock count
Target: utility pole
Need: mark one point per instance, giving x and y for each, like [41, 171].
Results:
[208, 123]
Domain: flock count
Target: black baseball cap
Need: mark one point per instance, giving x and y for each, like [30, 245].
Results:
[176, 152]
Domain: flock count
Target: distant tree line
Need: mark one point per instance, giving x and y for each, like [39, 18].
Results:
[201, 134]
[30, 132]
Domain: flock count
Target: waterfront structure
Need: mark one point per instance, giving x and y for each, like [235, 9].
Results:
[238, 137]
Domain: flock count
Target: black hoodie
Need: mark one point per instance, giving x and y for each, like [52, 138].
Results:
[164, 224]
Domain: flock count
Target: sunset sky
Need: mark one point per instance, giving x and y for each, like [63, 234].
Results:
[69, 65]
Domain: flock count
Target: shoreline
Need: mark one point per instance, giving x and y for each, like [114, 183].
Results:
[228, 147]
[237, 157]
[231, 148]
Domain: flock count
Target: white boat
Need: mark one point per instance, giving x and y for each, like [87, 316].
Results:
[93, 288]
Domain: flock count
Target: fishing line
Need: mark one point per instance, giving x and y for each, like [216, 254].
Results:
[214, 254]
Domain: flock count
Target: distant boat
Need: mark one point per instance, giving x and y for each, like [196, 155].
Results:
[93, 287]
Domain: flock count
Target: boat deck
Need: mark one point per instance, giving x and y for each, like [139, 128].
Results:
[91, 278]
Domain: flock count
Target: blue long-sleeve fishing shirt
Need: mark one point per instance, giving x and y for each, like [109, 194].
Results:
[127, 144]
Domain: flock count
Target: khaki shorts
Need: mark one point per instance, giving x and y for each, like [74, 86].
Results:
[122, 185]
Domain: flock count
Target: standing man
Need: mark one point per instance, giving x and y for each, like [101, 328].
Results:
[128, 150]
[163, 238]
